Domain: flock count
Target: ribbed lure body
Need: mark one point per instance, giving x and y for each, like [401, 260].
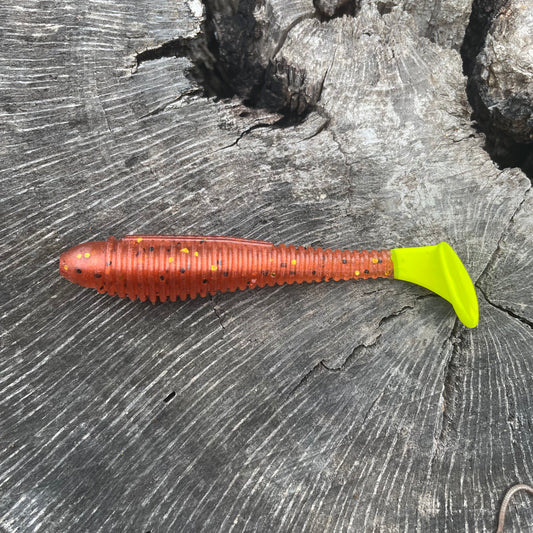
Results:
[186, 266]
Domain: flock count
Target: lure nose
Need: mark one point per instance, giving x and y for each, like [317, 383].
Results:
[84, 264]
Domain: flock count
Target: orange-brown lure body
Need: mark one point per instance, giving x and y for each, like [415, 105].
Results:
[180, 266]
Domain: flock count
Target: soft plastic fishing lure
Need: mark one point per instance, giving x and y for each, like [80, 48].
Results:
[186, 266]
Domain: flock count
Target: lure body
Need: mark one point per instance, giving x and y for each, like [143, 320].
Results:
[186, 266]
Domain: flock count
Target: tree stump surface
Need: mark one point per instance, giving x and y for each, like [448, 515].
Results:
[351, 406]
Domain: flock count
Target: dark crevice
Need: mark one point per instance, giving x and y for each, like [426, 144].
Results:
[202, 53]
[169, 397]
[518, 317]
[276, 124]
[390, 317]
[330, 9]
[481, 17]
[256, 75]
[353, 355]
[506, 310]
[230, 59]
[384, 8]
[174, 48]
[232, 33]
[504, 149]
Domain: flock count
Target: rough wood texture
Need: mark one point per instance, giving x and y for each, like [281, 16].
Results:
[498, 59]
[355, 406]
[504, 72]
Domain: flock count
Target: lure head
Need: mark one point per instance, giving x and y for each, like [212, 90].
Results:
[84, 264]
[439, 269]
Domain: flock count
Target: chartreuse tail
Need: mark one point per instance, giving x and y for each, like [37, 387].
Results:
[439, 269]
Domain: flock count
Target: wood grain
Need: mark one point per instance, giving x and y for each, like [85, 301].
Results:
[356, 406]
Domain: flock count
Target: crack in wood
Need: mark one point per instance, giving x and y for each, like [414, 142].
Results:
[161, 109]
[372, 341]
[388, 318]
[505, 151]
[528, 323]
[173, 48]
[228, 60]
[453, 374]
[305, 378]
[218, 315]
[245, 132]
[331, 9]
[497, 248]
[202, 51]
[225, 449]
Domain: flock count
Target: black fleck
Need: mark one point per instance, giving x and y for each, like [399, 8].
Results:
[151, 248]
[182, 270]
[204, 281]
[367, 271]
[97, 275]
[344, 261]
[380, 260]
[314, 272]
[161, 278]
[78, 270]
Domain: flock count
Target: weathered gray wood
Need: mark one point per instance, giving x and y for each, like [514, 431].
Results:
[335, 407]
[497, 52]
[503, 76]
[503, 282]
